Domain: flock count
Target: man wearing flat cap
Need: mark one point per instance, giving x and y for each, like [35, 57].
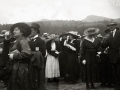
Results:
[37, 44]
[113, 42]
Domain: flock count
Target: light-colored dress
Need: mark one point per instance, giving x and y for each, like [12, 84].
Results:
[52, 64]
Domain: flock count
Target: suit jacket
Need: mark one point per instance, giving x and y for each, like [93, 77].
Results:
[38, 42]
[114, 45]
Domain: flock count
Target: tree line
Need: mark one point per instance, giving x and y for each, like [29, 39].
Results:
[60, 26]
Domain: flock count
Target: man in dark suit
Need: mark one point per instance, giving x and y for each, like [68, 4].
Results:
[37, 44]
[113, 42]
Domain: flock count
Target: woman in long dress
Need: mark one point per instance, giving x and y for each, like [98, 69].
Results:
[63, 56]
[89, 49]
[20, 54]
[52, 63]
[72, 73]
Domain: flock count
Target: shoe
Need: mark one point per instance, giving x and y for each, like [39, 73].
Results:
[56, 79]
[116, 89]
[92, 86]
[72, 82]
[110, 86]
[87, 86]
[102, 85]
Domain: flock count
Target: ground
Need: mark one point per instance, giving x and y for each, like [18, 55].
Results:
[65, 86]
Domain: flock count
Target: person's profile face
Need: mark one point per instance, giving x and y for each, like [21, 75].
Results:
[70, 36]
[33, 32]
[64, 37]
[112, 27]
[16, 32]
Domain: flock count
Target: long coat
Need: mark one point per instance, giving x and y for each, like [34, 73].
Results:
[19, 79]
[38, 75]
[89, 52]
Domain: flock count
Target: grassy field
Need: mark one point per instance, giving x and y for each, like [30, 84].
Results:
[65, 86]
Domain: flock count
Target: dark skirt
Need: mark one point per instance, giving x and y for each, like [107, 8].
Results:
[63, 62]
[19, 79]
[72, 73]
[89, 70]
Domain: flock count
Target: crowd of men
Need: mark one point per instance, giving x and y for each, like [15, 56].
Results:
[90, 57]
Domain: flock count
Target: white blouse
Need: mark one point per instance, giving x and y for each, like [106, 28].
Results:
[53, 46]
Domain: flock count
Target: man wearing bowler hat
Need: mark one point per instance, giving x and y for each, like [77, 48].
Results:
[113, 42]
[37, 44]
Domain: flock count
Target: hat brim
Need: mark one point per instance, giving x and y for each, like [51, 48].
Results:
[25, 27]
[1, 35]
[114, 24]
[75, 36]
[86, 32]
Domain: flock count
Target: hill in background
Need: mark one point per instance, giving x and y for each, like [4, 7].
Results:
[61, 26]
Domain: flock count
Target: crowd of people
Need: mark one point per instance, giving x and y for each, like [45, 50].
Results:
[28, 60]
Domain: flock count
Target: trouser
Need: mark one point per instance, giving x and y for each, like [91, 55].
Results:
[114, 74]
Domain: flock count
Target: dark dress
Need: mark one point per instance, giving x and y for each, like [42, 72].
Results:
[89, 52]
[37, 76]
[63, 59]
[19, 79]
[72, 73]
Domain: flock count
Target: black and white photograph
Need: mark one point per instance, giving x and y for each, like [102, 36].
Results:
[59, 44]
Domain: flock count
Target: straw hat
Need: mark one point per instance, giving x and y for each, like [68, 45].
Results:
[91, 31]
[74, 34]
[52, 36]
[45, 35]
[112, 24]
[99, 35]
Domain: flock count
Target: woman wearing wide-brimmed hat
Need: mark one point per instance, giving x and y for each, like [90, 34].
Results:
[20, 54]
[52, 71]
[89, 49]
[72, 58]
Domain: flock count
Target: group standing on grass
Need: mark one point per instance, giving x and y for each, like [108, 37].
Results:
[28, 59]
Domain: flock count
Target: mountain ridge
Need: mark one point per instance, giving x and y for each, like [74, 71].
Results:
[95, 18]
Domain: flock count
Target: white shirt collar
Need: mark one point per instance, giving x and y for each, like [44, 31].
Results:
[35, 36]
[91, 40]
[114, 30]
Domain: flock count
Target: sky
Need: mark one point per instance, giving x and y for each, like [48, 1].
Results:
[13, 11]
